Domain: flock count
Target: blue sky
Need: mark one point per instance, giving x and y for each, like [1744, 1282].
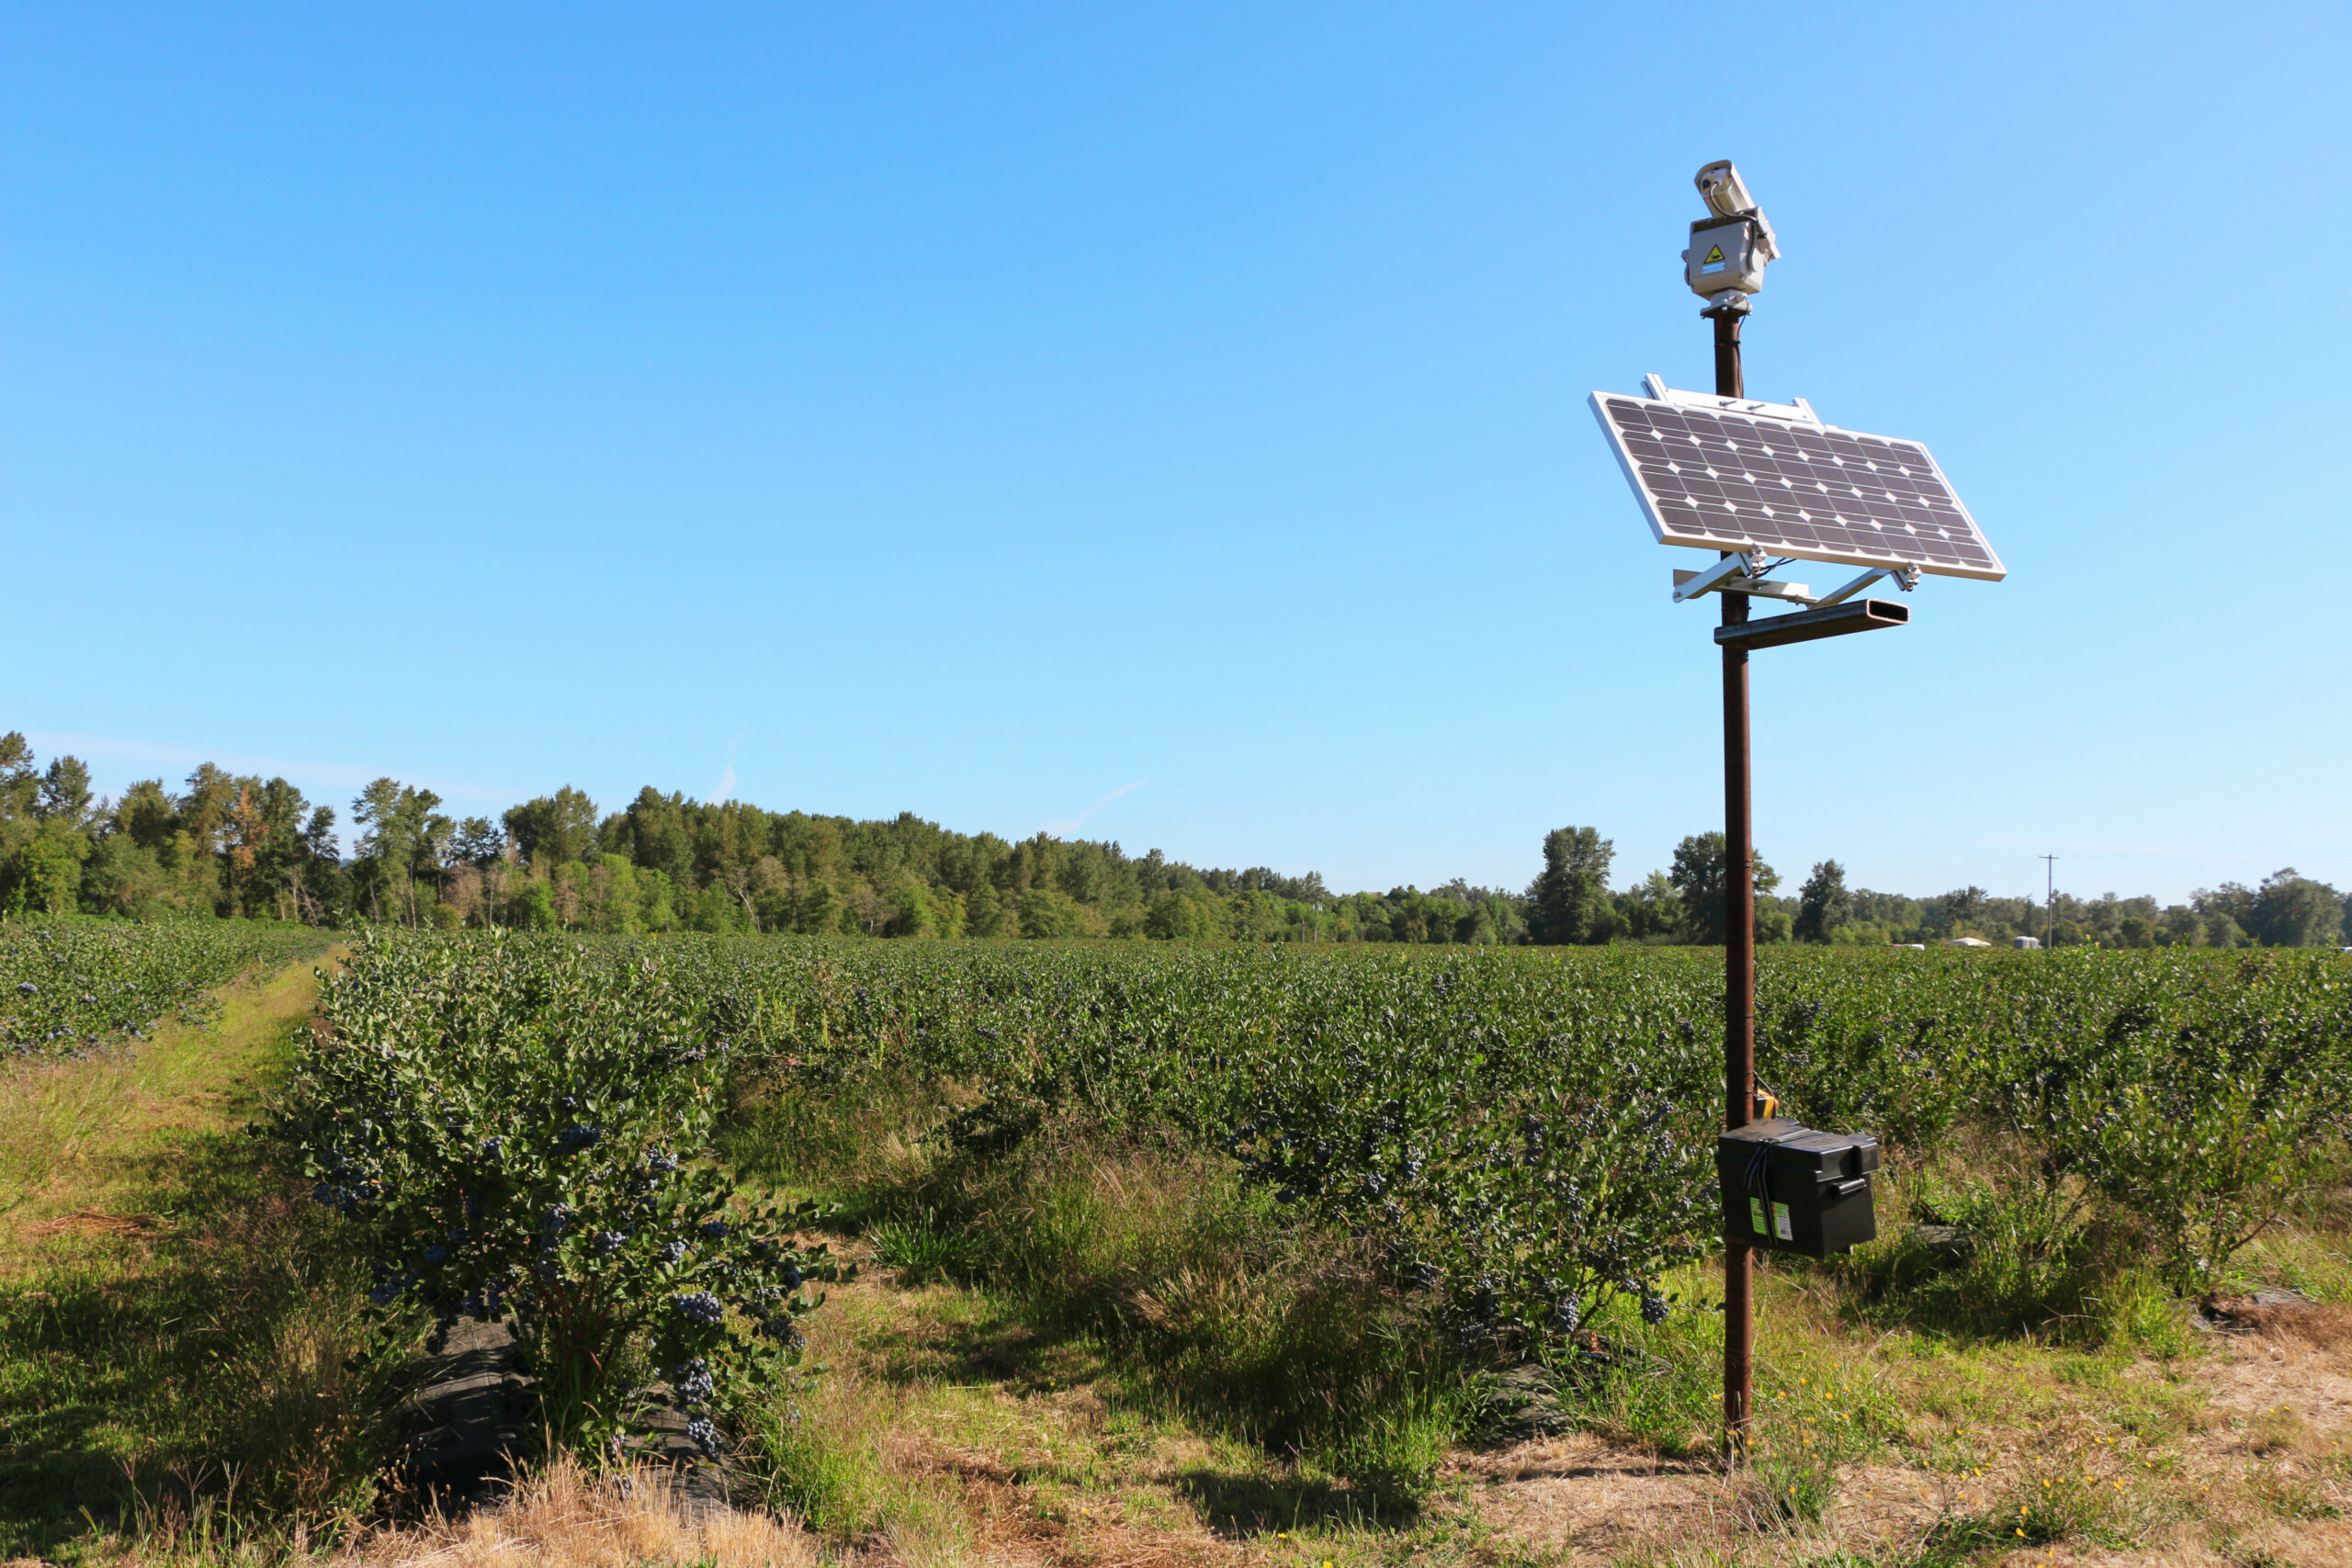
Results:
[1166, 422]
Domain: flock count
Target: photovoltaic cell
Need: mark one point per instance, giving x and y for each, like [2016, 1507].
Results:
[1724, 479]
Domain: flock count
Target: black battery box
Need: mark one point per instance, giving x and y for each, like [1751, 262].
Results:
[1787, 1187]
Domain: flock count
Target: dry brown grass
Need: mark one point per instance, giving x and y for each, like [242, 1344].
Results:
[94, 1222]
[2282, 1372]
[1580, 1498]
[2313, 1325]
[563, 1517]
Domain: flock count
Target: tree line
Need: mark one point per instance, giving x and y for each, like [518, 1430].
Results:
[240, 846]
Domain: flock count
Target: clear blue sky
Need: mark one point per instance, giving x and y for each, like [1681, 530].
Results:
[979, 410]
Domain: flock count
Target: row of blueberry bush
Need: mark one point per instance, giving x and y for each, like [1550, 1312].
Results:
[68, 986]
[525, 1125]
[1532, 1131]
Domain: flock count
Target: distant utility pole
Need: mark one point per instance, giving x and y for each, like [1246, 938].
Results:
[2050, 881]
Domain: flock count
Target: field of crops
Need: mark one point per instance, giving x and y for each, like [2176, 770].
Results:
[69, 986]
[529, 1123]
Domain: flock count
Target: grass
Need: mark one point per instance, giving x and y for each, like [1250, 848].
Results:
[1198, 1297]
[176, 1322]
[1082, 1336]
[563, 1517]
[560, 1517]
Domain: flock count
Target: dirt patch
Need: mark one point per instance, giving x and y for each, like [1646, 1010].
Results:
[1579, 1496]
[1888, 1501]
[2296, 1363]
[2310, 1545]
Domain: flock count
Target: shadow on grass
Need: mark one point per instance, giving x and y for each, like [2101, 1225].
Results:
[1241, 1506]
[985, 1337]
[210, 1358]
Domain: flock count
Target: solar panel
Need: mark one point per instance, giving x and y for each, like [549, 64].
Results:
[1727, 474]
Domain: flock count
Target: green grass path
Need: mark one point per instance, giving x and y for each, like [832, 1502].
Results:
[168, 1314]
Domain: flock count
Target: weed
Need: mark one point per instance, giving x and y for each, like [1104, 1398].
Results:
[923, 1249]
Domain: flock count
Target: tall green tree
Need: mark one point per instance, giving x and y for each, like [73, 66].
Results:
[65, 793]
[554, 829]
[1569, 898]
[274, 856]
[1823, 903]
[2292, 910]
[1698, 878]
[19, 794]
[402, 843]
[44, 838]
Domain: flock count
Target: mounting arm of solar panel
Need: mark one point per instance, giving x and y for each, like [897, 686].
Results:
[1757, 481]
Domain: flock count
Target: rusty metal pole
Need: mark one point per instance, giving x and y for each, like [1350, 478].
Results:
[1739, 959]
[1728, 382]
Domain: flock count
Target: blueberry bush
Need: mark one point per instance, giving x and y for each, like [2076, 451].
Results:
[521, 1126]
[2186, 1095]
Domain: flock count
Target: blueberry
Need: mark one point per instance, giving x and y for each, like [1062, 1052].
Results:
[691, 1381]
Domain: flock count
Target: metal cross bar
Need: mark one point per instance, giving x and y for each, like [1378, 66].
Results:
[1805, 625]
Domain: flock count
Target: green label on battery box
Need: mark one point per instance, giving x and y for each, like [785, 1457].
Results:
[1756, 1216]
[1780, 1221]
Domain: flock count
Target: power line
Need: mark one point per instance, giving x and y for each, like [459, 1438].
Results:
[2050, 884]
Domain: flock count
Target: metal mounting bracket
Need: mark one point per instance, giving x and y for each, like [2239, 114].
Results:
[1761, 587]
[1906, 578]
[1750, 564]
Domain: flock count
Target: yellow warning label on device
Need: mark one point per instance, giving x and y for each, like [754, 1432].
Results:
[1716, 254]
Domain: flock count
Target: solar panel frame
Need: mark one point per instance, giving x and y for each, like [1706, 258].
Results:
[1915, 519]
